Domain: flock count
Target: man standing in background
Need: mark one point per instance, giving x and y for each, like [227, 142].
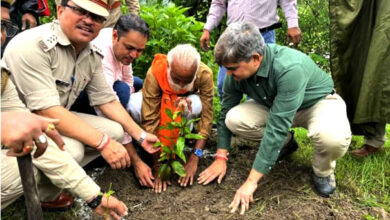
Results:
[360, 62]
[262, 13]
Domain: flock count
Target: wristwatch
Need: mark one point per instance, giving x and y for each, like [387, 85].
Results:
[95, 202]
[198, 152]
[142, 138]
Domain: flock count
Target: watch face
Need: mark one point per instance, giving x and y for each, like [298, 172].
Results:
[198, 152]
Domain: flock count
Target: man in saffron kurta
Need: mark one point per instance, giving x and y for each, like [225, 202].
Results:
[173, 78]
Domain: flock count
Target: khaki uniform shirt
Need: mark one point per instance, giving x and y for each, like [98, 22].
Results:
[9, 97]
[47, 72]
[151, 93]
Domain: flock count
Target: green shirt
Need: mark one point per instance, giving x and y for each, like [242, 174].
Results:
[287, 81]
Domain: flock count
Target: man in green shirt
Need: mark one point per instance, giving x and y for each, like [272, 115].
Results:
[288, 90]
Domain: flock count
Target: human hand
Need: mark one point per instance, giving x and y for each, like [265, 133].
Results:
[143, 173]
[29, 19]
[160, 184]
[148, 143]
[116, 155]
[205, 40]
[294, 35]
[190, 167]
[20, 130]
[184, 104]
[115, 207]
[243, 196]
[216, 169]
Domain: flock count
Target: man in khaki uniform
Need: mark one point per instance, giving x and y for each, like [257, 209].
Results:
[58, 167]
[53, 63]
[60, 171]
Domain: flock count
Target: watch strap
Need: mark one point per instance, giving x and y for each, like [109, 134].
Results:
[95, 202]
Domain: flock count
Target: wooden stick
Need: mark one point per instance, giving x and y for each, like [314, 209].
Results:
[34, 210]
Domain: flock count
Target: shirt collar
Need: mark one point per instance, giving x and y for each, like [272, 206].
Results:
[265, 65]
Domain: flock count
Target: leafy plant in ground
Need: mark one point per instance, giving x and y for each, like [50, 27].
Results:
[170, 154]
[108, 194]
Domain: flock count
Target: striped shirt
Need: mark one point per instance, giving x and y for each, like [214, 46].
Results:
[262, 13]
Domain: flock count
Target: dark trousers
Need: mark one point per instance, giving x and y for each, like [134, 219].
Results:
[121, 88]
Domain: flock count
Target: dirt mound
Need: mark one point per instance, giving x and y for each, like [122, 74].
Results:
[286, 193]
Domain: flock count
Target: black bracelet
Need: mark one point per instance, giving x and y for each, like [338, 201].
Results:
[95, 202]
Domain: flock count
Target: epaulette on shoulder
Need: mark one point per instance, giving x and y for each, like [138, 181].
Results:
[48, 42]
[5, 70]
[97, 50]
[4, 78]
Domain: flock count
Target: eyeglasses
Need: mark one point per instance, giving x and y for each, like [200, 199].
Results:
[10, 28]
[82, 12]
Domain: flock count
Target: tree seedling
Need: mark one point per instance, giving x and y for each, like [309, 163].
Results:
[170, 153]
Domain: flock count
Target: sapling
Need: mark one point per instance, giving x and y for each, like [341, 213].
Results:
[172, 157]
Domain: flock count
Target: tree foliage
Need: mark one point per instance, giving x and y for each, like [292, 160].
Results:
[169, 26]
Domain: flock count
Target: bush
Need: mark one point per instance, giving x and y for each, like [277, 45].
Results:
[169, 26]
[314, 24]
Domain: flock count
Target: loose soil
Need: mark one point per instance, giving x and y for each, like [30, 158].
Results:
[285, 193]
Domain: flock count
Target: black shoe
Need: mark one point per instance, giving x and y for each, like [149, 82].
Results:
[324, 186]
[289, 148]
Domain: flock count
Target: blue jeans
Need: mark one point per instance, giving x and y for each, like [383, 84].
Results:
[269, 38]
[121, 88]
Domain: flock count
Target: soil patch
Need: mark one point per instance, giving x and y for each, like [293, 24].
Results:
[285, 193]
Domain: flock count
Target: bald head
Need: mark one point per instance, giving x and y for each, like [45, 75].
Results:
[183, 61]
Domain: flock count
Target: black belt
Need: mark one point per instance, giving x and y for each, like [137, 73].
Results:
[272, 27]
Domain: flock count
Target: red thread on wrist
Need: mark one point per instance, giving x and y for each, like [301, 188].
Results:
[222, 157]
[105, 144]
[101, 141]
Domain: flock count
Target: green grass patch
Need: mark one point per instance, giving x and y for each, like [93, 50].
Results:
[367, 179]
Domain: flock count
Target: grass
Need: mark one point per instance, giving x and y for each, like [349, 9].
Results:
[366, 179]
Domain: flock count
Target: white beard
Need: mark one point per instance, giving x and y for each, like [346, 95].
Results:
[177, 87]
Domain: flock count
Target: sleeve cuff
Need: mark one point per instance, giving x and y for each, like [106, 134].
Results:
[101, 98]
[42, 99]
[223, 143]
[292, 23]
[86, 189]
[209, 27]
[261, 165]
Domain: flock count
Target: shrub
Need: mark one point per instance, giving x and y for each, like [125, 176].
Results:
[169, 26]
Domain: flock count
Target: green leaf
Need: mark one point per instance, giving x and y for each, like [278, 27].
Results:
[178, 168]
[192, 121]
[161, 169]
[180, 143]
[169, 113]
[168, 126]
[166, 175]
[166, 149]
[162, 158]
[175, 124]
[181, 155]
[175, 115]
[194, 136]
[179, 148]
[187, 130]
[157, 144]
